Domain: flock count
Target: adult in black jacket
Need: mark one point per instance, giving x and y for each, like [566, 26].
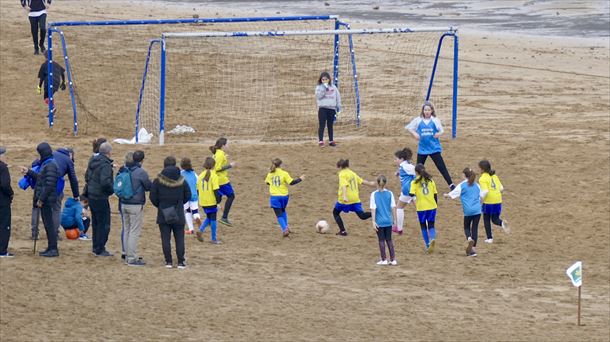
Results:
[169, 190]
[64, 157]
[45, 195]
[6, 197]
[99, 186]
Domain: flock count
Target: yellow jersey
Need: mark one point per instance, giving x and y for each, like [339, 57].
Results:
[493, 186]
[206, 189]
[278, 181]
[221, 161]
[351, 181]
[424, 194]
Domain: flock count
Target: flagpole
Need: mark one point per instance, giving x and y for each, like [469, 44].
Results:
[579, 305]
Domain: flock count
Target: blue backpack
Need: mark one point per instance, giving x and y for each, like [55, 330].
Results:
[122, 184]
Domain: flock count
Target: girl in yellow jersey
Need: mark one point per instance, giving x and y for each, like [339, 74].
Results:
[278, 181]
[423, 189]
[491, 193]
[348, 195]
[222, 167]
[209, 197]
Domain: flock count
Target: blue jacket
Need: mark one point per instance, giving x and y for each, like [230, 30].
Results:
[65, 166]
[72, 215]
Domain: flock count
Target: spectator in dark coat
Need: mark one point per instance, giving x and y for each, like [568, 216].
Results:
[64, 157]
[6, 197]
[169, 190]
[99, 186]
[45, 195]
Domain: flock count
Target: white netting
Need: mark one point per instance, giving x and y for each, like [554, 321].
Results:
[262, 87]
[107, 65]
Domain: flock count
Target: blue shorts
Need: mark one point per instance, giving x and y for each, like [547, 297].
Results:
[346, 208]
[226, 190]
[426, 215]
[278, 202]
[211, 209]
[491, 209]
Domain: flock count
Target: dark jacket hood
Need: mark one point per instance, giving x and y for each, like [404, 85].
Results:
[170, 177]
[98, 160]
[44, 150]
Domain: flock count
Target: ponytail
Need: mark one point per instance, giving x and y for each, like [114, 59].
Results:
[404, 154]
[470, 175]
[275, 163]
[218, 145]
[343, 163]
[382, 181]
[423, 174]
[208, 165]
[485, 166]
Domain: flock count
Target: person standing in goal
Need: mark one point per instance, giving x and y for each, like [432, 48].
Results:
[222, 171]
[427, 129]
[37, 13]
[329, 105]
[58, 74]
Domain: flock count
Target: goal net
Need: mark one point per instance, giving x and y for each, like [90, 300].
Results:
[260, 85]
[106, 60]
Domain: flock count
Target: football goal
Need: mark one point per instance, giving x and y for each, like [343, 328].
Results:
[260, 84]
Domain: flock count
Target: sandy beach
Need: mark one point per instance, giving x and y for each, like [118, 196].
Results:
[536, 106]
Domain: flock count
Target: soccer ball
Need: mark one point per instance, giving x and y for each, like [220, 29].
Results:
[72, 234]
[322, 227]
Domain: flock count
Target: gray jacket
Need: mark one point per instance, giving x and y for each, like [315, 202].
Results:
[140, 184]
[328, 97]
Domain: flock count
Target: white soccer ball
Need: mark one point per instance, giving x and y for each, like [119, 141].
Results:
[322, 227]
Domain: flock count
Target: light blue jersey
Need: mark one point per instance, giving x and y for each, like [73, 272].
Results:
[191, 179]
[428, 144]
[383, 202]
[470, 195]
[406, 172]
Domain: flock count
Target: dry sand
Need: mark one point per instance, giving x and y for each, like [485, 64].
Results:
[538, 108]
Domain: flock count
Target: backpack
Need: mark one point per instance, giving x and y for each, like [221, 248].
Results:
[122, 184]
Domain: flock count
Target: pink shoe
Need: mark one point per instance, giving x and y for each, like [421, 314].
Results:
[332, 143]
[321, 143]
[394, 229]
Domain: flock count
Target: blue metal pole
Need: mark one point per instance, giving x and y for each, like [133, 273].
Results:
[336, 57]
[455, 84]
[70, 82]
[162, 96]
[438, 51]
[150, 46]
[50, 77]
[189, 21]
[355, 73]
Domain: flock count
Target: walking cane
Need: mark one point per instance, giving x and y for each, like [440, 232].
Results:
[35, 239]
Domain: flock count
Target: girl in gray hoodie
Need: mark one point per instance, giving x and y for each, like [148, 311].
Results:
[329, 104]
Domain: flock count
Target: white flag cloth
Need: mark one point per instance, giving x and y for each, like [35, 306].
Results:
[143, 138]
[574, 272]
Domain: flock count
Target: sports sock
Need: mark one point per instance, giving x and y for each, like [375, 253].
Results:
[432, 233]
[282, 221]
[213, 230]
[400, 218]
[424, 234]
[189, 220]
[204, 225]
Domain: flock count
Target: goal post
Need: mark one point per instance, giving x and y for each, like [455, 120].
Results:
[398, 69]
[130, 38]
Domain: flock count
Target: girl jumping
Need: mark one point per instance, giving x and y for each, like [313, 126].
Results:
[278, 181]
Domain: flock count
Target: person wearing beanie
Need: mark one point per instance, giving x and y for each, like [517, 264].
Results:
[99, 186]
[169, 193]
[45, 194]
[6, 198]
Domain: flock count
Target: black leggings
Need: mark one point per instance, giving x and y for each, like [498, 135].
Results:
[471, 227]
[35, 23]
[325, 117]
[337, 215]
[384, 234]
[487, 220]
[439, 162]
[228, 203]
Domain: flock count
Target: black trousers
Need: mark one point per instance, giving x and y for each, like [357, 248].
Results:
[166, 243]
[5, 228]
[487, 220]
[326, 117]
[47, 220]
[471, 227]
[439, 162]
[36, 23]
[100, 223]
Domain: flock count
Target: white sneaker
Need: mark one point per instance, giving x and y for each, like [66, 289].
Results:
[393, 263]
[505, 227]
[382, 262]
[489, 240]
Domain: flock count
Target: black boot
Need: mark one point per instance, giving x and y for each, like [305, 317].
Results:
[50, 253]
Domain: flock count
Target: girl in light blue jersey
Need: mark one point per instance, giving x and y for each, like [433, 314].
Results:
[427, 129]
[383, 211]
[406, 173]
[469, 193]
[191, 208]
